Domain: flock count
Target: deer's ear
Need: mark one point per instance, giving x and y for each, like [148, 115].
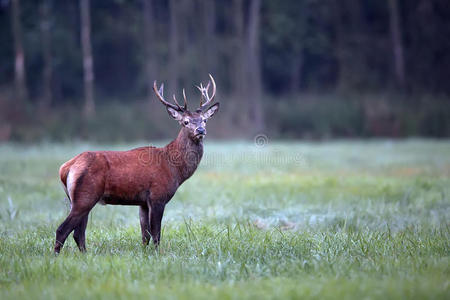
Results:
[174, 113]
[211, 111]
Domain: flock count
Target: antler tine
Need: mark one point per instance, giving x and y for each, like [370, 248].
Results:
[185, 100]
[204, 91]
[176, 102]
[200, 88]
[214, 86]
[160, 93]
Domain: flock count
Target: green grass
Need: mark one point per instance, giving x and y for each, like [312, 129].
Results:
[348, 219]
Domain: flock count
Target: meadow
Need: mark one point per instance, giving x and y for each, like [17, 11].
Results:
[273, 220]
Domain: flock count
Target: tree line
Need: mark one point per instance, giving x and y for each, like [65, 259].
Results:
[260, 51]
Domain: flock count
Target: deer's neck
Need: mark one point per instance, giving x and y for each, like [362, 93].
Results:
[184, 154]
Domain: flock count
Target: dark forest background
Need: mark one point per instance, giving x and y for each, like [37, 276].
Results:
[290, 69]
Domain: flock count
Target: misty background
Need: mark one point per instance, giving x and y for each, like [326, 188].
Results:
[310, 69]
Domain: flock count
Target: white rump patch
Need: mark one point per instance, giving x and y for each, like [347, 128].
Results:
[70, 182]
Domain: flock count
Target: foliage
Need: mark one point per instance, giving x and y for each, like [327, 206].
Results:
[299, 116]
[345, 46]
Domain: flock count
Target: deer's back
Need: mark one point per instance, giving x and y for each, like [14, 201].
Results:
[119, 177]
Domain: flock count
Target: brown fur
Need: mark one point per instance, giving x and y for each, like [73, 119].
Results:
[147, 177]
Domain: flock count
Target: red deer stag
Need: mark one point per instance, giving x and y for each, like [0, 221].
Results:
[147, 177]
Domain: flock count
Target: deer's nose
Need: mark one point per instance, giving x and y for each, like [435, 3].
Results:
[201, 130]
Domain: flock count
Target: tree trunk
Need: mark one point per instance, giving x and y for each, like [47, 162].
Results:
[173, 46]
[342, 51]
[397, 44]
[209, 47]
[237, 53]
[19, 60]
[88, 62]
[149, 40]
[238, 110]
[47, 54]
[351, 36]
[296, 73]
[254, 69]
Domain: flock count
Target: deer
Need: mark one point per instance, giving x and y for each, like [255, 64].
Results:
[147, 177]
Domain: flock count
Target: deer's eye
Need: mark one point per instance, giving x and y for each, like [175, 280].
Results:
[186, 122]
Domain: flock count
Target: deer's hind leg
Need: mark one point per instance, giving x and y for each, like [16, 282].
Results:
[79, 234]
[74, 218]
[85, 185]
[83, 196]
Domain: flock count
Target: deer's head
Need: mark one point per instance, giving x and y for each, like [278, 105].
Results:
[193, 121]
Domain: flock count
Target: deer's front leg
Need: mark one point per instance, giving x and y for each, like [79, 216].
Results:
[144, 217]
[156, 214]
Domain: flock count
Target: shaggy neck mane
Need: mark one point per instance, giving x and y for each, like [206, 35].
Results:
[184, 154]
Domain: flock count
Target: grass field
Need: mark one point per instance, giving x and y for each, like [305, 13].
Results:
[347, 219]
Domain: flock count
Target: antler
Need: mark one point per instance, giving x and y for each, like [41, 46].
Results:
[159, 93]
[204, 91]
[184, 98]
